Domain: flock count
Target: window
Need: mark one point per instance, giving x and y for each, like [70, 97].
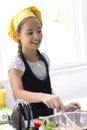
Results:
[64, 28]
[65, 39]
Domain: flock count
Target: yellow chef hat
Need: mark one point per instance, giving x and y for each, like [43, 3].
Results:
[14, 22]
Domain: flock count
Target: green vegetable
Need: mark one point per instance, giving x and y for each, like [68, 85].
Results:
[49, 125]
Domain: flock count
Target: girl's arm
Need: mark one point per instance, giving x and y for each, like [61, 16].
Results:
[73, 106]
[52, 101]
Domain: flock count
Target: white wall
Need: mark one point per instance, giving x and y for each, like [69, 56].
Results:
[68, 84]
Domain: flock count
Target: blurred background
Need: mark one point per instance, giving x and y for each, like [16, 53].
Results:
[64, 41]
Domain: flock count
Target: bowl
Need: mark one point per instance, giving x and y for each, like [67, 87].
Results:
[78, 119]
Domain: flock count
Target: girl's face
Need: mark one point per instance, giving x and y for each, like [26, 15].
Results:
[30, 35]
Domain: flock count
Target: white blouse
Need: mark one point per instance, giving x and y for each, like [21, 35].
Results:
[38, 68]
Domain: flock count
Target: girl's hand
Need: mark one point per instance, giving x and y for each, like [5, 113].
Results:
[53, 101]
[72, 107]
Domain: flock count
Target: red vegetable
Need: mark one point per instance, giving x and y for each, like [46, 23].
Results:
[37, 124]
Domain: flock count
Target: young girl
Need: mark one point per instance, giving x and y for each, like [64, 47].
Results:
[29, 70]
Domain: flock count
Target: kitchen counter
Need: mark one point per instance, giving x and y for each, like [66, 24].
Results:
[82, 101]
[6, 127]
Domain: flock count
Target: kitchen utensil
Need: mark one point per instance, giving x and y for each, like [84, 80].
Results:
[74, 125]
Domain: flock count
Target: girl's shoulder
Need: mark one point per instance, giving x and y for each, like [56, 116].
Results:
[17, 63]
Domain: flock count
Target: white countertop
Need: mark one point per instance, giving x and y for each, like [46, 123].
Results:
[6, 127]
